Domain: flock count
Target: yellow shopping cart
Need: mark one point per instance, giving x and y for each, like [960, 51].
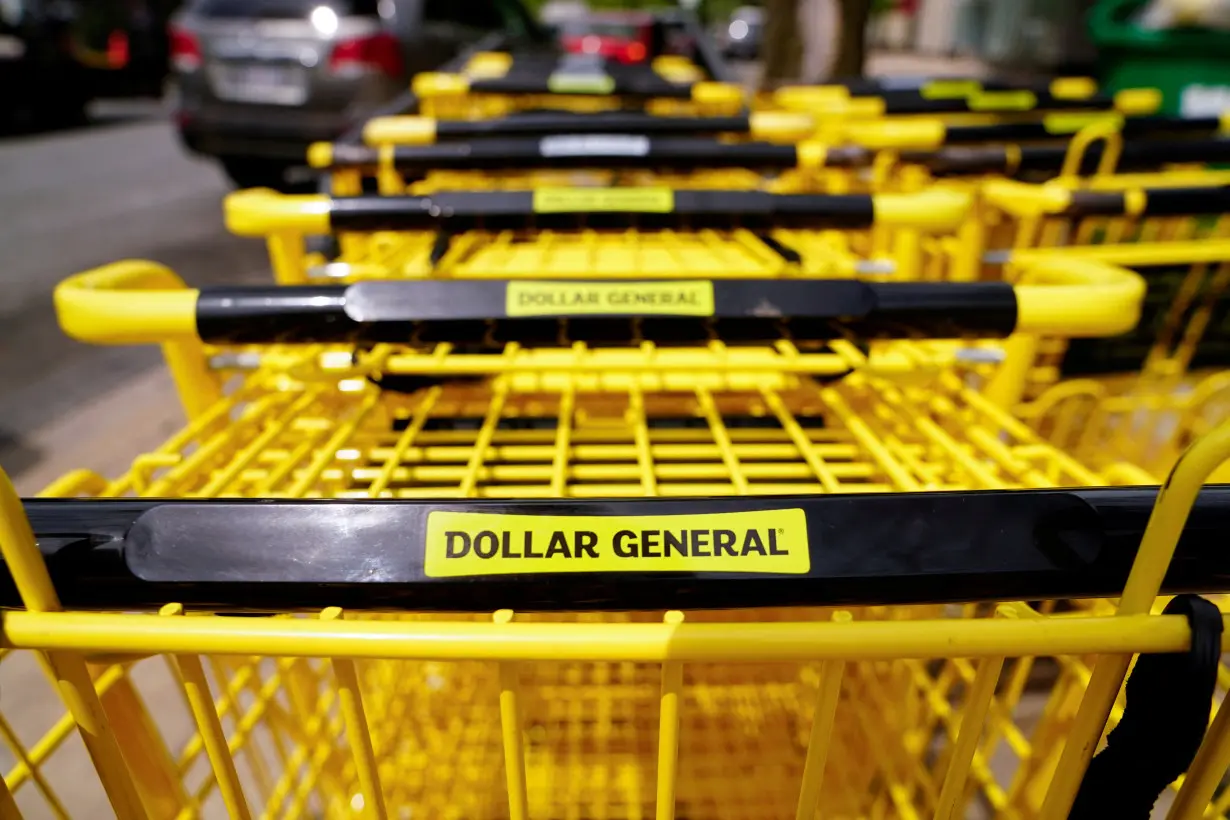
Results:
[893, 705]
[498, 84]
[600, 232]
[1047, 161]
[877, 156]
[775, 126]
[626, 160]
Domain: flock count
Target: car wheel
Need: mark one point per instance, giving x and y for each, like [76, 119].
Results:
[252, 172]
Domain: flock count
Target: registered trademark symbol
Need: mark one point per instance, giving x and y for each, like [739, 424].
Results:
[780, 531]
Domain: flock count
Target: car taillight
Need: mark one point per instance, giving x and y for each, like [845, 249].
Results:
[379, 52]
[634, 53]
[117, 49]
[185, 49]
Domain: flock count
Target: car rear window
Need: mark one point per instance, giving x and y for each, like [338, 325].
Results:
[281, 9]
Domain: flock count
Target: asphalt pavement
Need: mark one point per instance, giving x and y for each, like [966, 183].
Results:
[120, 188]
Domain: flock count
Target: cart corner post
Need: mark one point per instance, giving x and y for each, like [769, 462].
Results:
[1174, 503]
[72, 677]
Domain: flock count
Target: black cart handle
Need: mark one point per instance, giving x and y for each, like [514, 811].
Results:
[638, 554]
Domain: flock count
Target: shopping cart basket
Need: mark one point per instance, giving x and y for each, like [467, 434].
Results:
[602, 232]
[417, 713]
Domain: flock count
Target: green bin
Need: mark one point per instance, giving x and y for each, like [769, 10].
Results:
[1190, 66]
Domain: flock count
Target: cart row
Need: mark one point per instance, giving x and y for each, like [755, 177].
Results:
[635, 447]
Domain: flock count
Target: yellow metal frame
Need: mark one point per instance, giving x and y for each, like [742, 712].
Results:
[853, 647]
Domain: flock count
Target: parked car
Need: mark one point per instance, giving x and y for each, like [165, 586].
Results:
[42, 83]
[260, 80]
[743, 34]
[123, 44]
[626, 38]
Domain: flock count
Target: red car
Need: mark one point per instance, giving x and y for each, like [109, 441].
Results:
[621, 37]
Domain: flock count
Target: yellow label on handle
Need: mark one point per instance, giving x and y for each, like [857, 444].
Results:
[1064, 123]
[1002, 101]
[585, 200]
[463, 544]
[947, 89]
[580, 82]
[617, 298]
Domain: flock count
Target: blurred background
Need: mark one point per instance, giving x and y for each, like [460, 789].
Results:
[124, 122]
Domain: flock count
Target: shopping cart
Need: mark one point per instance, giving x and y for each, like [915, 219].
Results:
[875, 156]
[868, 710]
[496, 84]
[776, 126]
[624, 159]
[836, 111]
[1047, 161]
[955, 86]
[602, 232]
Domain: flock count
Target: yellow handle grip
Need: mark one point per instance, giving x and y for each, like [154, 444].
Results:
[400, 131]
[131, 302]
[262, 211]
[898, 132]
[137, 302]
[935, 210]
[1024, 199]
[1077, 297]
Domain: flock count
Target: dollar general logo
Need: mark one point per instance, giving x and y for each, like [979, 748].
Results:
[762, 541]
[617, 298]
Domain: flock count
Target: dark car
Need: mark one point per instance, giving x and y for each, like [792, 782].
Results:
[260, 80]
[42, 81]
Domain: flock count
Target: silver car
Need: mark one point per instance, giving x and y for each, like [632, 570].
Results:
[260, 80]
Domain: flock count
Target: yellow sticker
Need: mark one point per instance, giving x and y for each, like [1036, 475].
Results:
[947, 89]
[1071, 123]
[584, 200]
[631, 298]
[466, 544]
[580, 82]
[1002, 101]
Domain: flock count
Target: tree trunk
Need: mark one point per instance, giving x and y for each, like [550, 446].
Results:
[852, 48]
[782, 49]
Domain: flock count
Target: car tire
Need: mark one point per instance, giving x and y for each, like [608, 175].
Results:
[255, 172]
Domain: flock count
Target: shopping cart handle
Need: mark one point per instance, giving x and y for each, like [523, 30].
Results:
[261, 212]
[1015, 160]
[1058, 199]
[607, 150]
[405, 130]
[1061, 297]
[848, 550]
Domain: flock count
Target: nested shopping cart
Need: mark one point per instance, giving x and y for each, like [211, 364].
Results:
[611, 159]
[836, 110]
[402, 157]
[496, 84]
[578, 232]
[1146, 395]
[845, 662]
